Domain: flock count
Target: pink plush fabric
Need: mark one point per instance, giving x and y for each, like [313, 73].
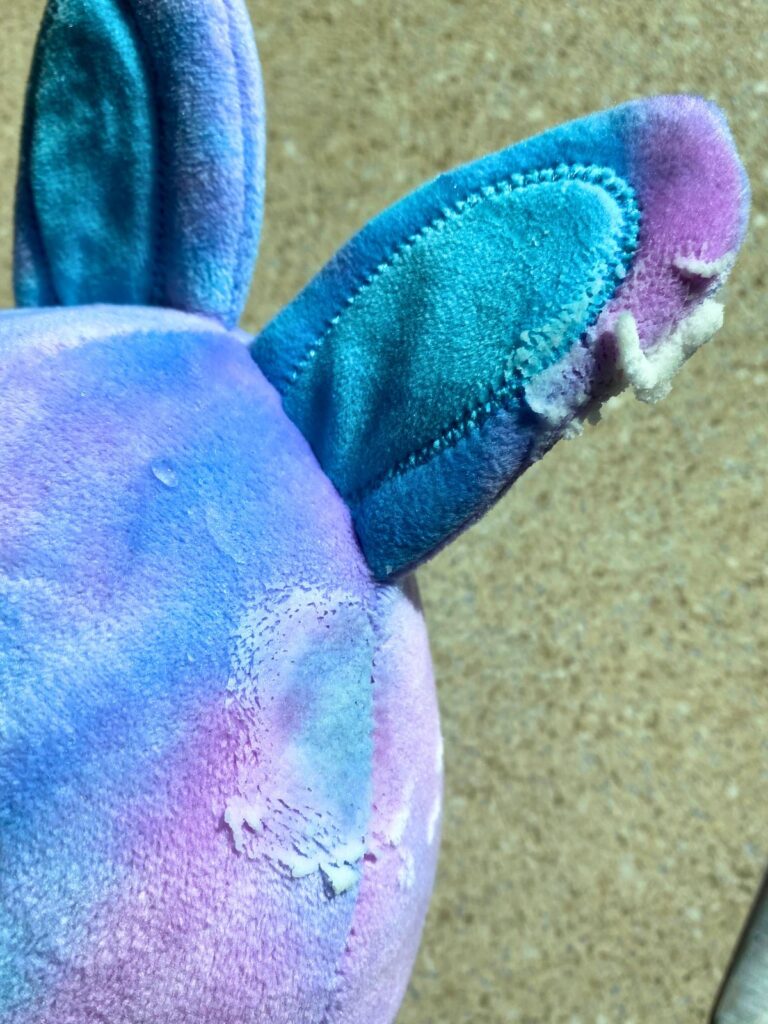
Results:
[220, 756]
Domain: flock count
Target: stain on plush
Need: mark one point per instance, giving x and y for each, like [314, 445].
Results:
[221, 767]
[299, 800]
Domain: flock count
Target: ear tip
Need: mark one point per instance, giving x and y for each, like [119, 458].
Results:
[687, 137]
[694, 196]
[692, 186]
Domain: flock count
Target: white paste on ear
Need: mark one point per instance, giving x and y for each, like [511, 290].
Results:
[575, 428]
[689, 266]
[649, 373]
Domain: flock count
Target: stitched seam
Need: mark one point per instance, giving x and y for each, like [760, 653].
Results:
[373, 614]
[604, 177]
[462, 426]
[512, 385]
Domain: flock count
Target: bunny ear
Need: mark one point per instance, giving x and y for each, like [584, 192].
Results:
[142, 157]
[453, 340]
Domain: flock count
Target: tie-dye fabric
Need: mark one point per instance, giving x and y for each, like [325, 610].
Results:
[458, 335]
[142, 159]
[220, 767]
[220, 756]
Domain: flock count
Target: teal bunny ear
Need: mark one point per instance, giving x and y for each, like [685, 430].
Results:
[142, 157]
[453, 340]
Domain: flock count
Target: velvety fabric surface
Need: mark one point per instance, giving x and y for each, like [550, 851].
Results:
[464, 313]
[143, 157]
[560, 639]
[220, 768]
[416, 361]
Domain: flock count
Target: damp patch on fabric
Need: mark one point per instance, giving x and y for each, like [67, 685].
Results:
[300, 696]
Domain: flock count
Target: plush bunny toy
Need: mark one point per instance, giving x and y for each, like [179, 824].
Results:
[220, 770]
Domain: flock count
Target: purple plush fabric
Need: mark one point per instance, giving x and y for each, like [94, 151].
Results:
[220, 756]
[221, 767]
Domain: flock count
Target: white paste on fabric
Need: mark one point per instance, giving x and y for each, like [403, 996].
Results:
[439, 755]
[397, 825]
[689, 266]
[650, 373]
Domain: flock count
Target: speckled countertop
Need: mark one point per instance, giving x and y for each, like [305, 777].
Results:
[600, 639]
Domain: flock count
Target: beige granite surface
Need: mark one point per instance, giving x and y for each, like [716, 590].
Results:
[600, 639]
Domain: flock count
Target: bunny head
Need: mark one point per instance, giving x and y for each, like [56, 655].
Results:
[220, 757]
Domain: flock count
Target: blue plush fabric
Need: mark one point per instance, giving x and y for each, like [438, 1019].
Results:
[288, 338]
[449, 344]
[436, 316]
[92, 97]
[456, 318]
[142, 158]
[220, 759]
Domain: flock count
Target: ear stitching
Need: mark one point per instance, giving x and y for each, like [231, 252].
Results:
[142, 163]
[466, 329]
